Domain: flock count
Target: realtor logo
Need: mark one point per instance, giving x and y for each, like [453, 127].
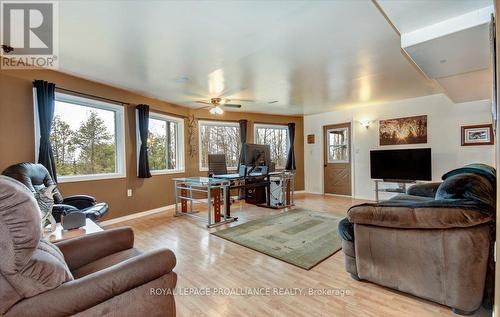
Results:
[28, 34]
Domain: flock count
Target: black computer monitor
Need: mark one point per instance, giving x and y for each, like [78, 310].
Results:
[255, 155]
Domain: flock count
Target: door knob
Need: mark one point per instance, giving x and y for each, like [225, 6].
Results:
[324, 165]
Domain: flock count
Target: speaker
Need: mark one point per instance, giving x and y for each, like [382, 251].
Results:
[73, 220]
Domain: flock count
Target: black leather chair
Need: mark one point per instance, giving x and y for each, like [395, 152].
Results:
[36, 176]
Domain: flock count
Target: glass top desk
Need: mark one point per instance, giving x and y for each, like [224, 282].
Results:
[209, 188]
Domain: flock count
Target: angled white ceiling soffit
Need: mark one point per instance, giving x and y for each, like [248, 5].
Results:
[454, 51]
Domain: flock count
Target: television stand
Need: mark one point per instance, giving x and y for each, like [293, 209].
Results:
[400, 188]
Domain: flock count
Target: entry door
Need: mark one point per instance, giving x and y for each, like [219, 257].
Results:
[337, 159]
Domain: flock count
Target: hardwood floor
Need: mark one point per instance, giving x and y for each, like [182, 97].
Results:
[206, 261]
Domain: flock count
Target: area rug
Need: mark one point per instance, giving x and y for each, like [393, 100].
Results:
[300, 237]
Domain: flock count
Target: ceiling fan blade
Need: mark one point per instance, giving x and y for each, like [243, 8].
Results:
[242, 100]
[204, 102]
[230, 105]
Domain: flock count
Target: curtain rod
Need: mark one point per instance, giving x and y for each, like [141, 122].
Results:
[91, 96]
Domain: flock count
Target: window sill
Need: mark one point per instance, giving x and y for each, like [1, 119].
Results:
[84, 178]
[166, 172]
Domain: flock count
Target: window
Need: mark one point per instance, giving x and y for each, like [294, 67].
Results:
[165, 144]
[219, 138]
[276, 136]
[87, 138]
[338, 145]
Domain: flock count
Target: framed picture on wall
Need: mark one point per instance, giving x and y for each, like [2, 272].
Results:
[409, 130]
[481, 134]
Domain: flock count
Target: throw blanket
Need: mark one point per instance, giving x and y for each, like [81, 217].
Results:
[470, 187]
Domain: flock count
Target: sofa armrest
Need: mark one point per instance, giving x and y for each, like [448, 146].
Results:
[85, 249]
[80, 201]
[423, 190]
[81, 294]
[416, 218]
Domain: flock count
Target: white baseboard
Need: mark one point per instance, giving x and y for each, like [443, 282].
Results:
[299, 192]
[137, 215]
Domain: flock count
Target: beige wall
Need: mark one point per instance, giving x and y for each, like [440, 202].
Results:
[17, 139]
[444, 121]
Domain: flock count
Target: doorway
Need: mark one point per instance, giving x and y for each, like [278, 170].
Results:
[337, 159]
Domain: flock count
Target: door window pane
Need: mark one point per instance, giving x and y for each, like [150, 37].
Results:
[338, 145]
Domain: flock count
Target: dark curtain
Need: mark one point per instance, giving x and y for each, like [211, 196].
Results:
[290, 160]
[243, 138]
[143, 121]
[45, 96]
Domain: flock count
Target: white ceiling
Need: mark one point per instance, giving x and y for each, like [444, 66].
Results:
[310, 56]
[449, 41]
[409, 15]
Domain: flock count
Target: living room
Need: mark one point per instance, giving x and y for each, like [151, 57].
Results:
[238, 158]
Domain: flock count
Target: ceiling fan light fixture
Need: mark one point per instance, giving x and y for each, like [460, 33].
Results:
[216, 110]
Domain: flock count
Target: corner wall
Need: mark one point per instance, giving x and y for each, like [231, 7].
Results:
[444, 119]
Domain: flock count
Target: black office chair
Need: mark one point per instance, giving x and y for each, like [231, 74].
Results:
[217, 164]
[35, 176]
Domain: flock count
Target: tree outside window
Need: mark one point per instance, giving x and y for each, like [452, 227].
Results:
[277, 138]
[162, 144]
[83, 140]
[219, 138]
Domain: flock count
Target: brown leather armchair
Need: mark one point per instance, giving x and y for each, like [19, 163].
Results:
[434, 242]
[99, 274]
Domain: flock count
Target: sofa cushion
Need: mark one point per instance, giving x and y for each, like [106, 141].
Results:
[20, 228]
[411, 198]
[8, 295]
[30, 265]
[45, 270]
[467, 186]
[105, 262]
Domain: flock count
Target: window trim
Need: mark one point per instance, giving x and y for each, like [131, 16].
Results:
[272, 126]
[118, 109]
[213, 123]
[179, 141]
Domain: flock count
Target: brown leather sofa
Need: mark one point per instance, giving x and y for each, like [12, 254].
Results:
[99, 274]
[436, 246]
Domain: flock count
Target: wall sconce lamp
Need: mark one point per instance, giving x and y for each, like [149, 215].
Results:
[366, 123]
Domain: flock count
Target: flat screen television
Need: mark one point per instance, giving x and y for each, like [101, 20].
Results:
[402, 165]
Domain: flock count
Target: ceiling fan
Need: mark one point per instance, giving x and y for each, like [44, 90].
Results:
[216, 103]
